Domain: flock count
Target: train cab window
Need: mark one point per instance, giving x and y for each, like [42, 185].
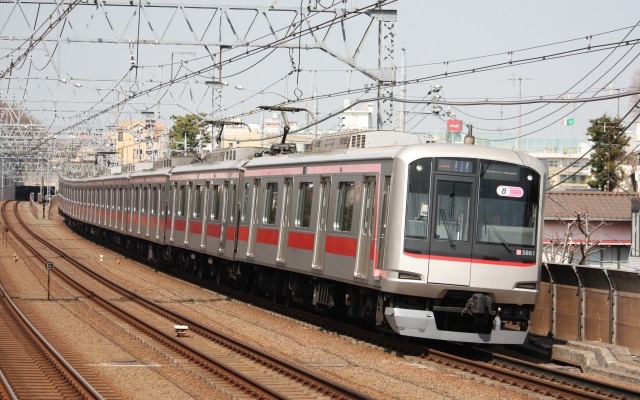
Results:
[305, 197]
[245, 204]
[344, 209]
[270, 203]
[507, 204]
[418, 188]
[453, 202]
[182, 201]
[198, 197]
[215, 203]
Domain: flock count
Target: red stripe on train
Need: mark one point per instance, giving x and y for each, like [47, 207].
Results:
[213, 230]
[243, 233]
[231, 231]
[470, 260]
[195, 227]
[301, 240]
[343, 246]
[267, 236]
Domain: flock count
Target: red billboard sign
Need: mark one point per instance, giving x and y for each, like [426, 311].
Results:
[454, 125]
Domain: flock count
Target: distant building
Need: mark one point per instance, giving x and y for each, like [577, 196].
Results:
[357, 119]
[568, 168]
[135, 142]
[606, 225]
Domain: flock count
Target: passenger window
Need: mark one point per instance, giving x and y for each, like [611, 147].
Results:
[232, 204]
[197, 201]
[136, 199]
[245, 204]
[305, 197]
[270, 203]
[154, 200]
[182, 201]
[145, 199]
[215, 203]
[344, 209]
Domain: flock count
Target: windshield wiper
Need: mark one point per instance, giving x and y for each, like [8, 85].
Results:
[504, 242]
[447, 228]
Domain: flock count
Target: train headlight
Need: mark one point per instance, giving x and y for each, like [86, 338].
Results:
[526, 285]
[409, 275]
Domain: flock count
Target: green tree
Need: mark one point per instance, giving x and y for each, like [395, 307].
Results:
[186, 126]
[609, 151]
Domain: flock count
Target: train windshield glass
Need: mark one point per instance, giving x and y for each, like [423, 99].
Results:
[418, 191]
[507, 204]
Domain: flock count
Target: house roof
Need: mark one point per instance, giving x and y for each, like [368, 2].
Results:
[604, 206]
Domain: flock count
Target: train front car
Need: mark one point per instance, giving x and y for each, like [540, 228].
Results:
[463, 249]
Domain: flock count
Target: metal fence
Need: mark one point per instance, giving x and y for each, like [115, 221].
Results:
[592, 304]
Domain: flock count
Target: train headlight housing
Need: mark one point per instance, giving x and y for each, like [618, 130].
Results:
[409, 275]
[527, 285]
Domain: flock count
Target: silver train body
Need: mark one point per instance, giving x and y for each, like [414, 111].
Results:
[437, 241]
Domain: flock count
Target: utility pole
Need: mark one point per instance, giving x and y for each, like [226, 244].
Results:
[519, 79]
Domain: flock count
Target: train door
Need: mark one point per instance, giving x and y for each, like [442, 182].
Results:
[451, 243]
[185, 208]
[171, 211]
[253, 222]
[205, 212]
[232, 226]
[365, 230]
[123, 209]
[146, 210]
[105, 206]
[383, 221]
[283, 235]
[224, 218]
[321, 224]
[116, 208]
[155, 206]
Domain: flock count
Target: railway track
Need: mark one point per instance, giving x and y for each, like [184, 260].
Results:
[31, 366]
[539, 379]
[233, 367]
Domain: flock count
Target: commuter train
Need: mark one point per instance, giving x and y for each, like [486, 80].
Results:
[429, 240]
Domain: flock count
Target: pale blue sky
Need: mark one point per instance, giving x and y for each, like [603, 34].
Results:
[434, 35]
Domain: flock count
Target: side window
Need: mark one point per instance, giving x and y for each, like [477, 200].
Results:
[198, 196]
[215, 203]
[344, 208]
[136, 199]
[232, 203]
[182, 201]
[305, 197]
[154, 200]
[145, 199]
[270, 203]
[245, 204]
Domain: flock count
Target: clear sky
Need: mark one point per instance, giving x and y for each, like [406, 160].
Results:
[61, 80]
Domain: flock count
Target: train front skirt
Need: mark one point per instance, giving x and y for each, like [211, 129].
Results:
[422, 324]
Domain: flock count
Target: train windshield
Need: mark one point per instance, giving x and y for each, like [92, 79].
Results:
[502, 202]
[507, 204]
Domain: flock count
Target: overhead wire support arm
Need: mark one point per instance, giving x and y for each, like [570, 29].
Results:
[221, 123]
[283, 110]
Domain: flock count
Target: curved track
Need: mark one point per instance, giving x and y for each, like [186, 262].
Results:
[234, 367]
[31, 366]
